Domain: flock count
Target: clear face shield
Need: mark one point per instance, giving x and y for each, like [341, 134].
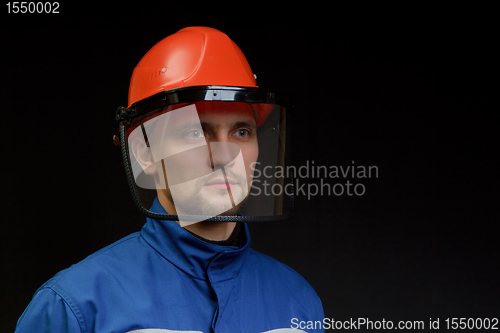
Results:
[221, 157]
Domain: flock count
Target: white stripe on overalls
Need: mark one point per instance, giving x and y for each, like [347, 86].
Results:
[160, 330]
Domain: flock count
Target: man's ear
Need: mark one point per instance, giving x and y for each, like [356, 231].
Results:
[142, 154]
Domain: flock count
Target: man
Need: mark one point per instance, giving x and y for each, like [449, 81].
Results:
[195, 133]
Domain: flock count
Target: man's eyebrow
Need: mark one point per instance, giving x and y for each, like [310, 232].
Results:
[245, 124]
[204, 124]
[187, 124]
[236, 124]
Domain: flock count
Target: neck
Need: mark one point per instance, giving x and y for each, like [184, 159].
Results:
[215, 231]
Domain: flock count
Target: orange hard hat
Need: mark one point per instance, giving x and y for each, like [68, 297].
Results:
[194, 56]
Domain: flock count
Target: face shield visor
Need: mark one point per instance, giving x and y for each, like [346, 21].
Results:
[209, 154]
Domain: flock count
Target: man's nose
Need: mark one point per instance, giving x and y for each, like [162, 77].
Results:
[223, 153]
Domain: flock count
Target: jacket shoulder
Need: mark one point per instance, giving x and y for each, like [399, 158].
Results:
[63, 295]
[118, 253]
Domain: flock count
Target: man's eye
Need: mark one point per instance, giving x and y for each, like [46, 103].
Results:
[195, 134]
[242, 133]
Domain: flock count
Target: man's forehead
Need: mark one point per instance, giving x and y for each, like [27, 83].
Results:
[218, 109]
[215, 113]
[221, 118]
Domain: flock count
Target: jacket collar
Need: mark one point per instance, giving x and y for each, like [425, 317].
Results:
[195, 257]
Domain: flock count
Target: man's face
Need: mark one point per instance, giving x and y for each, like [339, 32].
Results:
[206, 153]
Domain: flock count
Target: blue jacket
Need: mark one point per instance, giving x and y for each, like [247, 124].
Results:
[165, 278]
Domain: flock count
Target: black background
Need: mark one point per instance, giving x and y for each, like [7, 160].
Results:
[406, 89]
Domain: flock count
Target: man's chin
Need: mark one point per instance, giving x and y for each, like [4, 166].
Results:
[212, 206]
[218, 208]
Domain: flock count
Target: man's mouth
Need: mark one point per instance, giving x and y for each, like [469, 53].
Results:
[220, 183]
